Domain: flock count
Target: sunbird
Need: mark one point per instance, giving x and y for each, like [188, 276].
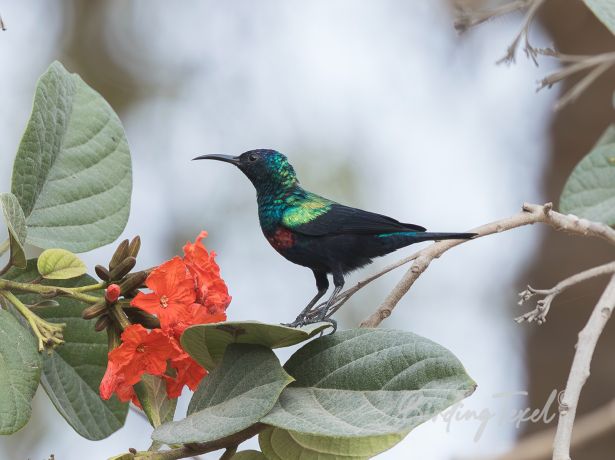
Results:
[318, 233]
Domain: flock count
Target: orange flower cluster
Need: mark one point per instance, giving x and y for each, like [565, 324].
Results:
[185, 291]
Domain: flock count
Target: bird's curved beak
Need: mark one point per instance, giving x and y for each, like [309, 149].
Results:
[225, 158]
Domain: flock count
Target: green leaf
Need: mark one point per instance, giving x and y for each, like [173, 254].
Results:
[590, 190]
[60, 264]
[152, 394]
[233, 397]
[72, 373]
[72, 173]
[278, 444]
[249, 455]
[20, 373]
[366, 383]
[16, 224]
[604, 10]
[206, 342]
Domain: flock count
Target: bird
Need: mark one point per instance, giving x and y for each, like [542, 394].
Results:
[318, 233]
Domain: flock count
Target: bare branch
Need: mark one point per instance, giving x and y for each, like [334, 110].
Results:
[531, 214]
[530, 51]
[588, 337]
[539, 314]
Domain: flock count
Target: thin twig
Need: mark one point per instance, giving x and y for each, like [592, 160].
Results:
[597, 65]
[530, 51]
[539, 314]
[531, 214]
[588, 337]
[467, 19]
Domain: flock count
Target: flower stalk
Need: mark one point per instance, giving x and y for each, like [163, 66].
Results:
[49, 335]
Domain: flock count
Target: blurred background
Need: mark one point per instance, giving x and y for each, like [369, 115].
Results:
[380, 105]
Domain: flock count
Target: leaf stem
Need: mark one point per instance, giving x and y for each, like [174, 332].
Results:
[48, 334]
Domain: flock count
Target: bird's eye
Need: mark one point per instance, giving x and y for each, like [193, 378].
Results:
[253, 157]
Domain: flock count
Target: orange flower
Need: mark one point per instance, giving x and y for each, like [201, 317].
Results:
[141, 352]
[212, 292]
[185, 292]
[189, 372]
[173, 291]
[194, 314]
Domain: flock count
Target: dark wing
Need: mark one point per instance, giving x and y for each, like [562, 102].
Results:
[339, 219]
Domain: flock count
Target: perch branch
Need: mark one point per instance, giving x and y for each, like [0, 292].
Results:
[191, 450]
[539, 314]
[531, 214]
[579, 372]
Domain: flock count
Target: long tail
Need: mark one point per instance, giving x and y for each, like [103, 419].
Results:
[436, 236]
[392, 241]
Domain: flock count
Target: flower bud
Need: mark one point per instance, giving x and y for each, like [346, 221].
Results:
[134, 246]
[94, 310]
[123, 268]
[112, 293]
[133, 282]
[119, 255]
[103, 322]
[102, 272]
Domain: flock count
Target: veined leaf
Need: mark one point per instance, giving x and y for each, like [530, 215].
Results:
[278, 444]
[605, 11]
[152, 394]
[60, 264]
[249, 455]
[72, 173]
[16, 224]
[590, 190]
[20, 372]
[367, 386]
[72, 373]
[233, 397]
[206, 343]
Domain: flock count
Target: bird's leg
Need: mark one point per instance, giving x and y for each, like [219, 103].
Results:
[338, 282]
[322, 284]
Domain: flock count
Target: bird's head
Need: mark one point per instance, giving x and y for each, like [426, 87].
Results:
[265, 168]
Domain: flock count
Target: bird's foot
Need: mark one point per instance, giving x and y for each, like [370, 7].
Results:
[311, 318]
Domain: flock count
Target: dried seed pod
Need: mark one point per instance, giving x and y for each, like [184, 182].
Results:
[134, 246]
[119, 255]
[132, 282]
[123, 268]
[103, 322]
[94, 310]
[102, 272]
